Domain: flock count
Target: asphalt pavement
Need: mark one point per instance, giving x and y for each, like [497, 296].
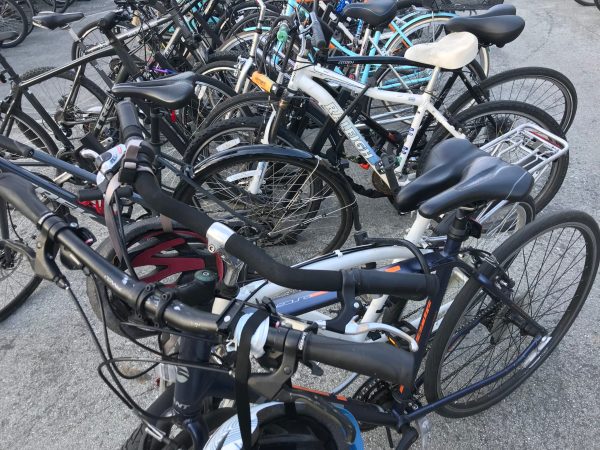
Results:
[51, 396]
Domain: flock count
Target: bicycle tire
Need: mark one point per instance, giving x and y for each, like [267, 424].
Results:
[85, 111]
[479, 115]
[31, 133]
[29, 10]
[290, 236]
[495, 320]
[139, 439]
[586, 3]
[12, 13]
[19, 282]
[493, 88]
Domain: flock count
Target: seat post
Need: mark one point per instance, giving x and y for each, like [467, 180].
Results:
[458, 232]
[155, 116]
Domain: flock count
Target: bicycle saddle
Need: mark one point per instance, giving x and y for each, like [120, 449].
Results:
[457, 173]
[451, 52]
[8, 36]
[171, 92]
[56, 20]
[497, 31]
[377, 14]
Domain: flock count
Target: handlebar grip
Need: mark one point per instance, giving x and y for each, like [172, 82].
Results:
[15, 147]
[378, 360]
[21, 195]
[128, 121]
[404, 285]
[109, 20]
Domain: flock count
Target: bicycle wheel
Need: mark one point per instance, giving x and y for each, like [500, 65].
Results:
[23, 128]
[284, 200]
[212, 414]
[29, 10]
[553, 264]
[224, 70]
[547, 89]
[91, 38]
[17, 279]
[75, 120]
[13, 18]
[586, 2]
[483, 123]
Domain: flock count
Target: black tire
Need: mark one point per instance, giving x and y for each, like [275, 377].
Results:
[150, 249]
[17, 279]
[13, 18]
[294, 227]
[586, 2]
[493, 321]
[223, 70]
[26, 130]
[597, 3]
[496, 118]
[544, 88]
[29, 10]
[83, 115]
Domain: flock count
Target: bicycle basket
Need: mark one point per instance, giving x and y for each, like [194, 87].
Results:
[460, 5]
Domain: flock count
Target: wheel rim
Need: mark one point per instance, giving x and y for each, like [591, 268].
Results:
[486, 338]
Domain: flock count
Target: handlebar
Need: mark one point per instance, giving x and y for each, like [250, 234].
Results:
[364, 358]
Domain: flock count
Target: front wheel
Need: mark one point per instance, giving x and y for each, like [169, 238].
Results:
[553, 263]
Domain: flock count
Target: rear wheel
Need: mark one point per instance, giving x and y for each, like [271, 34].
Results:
[547, 89]
[553, 263]
[294, 207]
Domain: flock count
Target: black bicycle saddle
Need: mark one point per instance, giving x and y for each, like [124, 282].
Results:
[56, 20]
[495, 30]
[457, 173]
[376, 13]
[171, 92]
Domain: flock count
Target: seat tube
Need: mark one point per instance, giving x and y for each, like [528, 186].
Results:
[372, 52]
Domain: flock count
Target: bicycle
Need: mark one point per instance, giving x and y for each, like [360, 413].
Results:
[284, 341]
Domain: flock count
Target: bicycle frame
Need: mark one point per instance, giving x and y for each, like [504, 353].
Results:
[188, 396]
[302, 79]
